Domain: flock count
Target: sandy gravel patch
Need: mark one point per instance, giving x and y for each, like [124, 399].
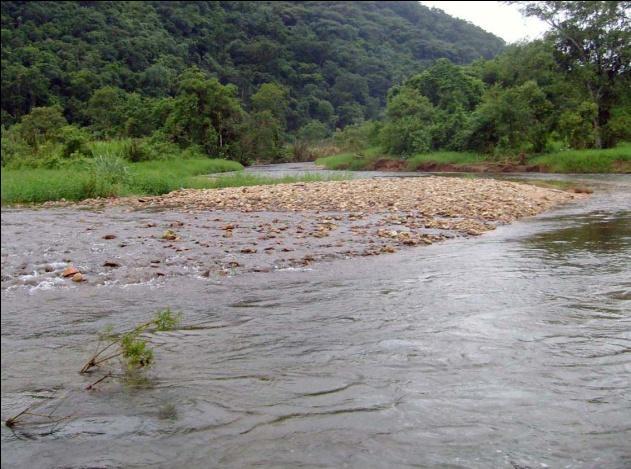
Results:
[480, 199]
[213, 233]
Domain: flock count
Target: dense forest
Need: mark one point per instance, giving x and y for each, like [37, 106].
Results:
[259, 81]
[336, 59]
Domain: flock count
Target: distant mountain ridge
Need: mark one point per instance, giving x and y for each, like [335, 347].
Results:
[338, 59]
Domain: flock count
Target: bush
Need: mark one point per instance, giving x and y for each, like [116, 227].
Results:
[313, 132]
[300, 151]
[41, 124]
[74, 141]
[406, 136]
[358, 136]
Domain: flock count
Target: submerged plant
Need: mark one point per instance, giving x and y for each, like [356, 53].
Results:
[132, 347]
[134, 350]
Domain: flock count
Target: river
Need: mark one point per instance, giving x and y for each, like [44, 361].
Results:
[512, 349]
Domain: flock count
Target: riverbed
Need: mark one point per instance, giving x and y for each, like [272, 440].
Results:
[509, 349]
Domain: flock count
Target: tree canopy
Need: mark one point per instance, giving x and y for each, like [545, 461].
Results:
[336, 60]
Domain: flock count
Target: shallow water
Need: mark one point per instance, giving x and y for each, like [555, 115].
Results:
[512, 349]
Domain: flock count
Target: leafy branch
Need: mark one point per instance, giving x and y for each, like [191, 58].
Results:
[132, 347]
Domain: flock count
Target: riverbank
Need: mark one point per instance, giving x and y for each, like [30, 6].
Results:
[611, 160]
[224, 232]
[115, 178]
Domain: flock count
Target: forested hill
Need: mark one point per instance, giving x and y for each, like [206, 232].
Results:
[338, 59]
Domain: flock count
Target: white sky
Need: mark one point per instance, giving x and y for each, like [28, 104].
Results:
[498, 18]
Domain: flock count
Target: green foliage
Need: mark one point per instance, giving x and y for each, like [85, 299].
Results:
[109, 169]
[133, 346]
[205, 113]
[14, 147]
[409, 120]
[145, 178]
[74, 140]
[576, 125]
[135, 351]
[444, 157]
[81, 54]
[313, 131]
[618, 128]
[511, 120]
[448, 86]
[358, 136]
[41, 124]
[237, 80]
[273, 98]
[569, 90]
[84, 180]
[167, 320]
[353, 161]
[346, 161]
[592, 41]
[105, 108]
[261, 138]
[587, 161]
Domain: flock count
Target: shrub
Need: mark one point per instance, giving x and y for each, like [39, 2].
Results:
[74, 141]
[313, 132]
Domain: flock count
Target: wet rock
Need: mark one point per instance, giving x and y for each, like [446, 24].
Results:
[70, 271]
[78, 277]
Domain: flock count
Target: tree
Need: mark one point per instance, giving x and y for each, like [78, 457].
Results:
[42, 123]
[106, 110]
[313, 131]
[453, 92]
[261, 139]
[205, 113]
[409, 120]
[511, 120]
[448, 87]
[593, 45]
[271, 97]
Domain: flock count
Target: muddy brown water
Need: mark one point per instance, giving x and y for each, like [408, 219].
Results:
[512, 349]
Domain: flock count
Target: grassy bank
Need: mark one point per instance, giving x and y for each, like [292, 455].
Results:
[114, 178]
[610, 160]
[587, 161]
[444, 157]
[354, 161]
[106, 178]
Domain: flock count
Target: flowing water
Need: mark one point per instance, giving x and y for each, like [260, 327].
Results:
[512, 349]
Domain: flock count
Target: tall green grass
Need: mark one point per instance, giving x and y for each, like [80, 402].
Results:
[114, 177]
[353, 161]
[106, 177]
[587, 161]
[365, 159]
[444, 157]
[616, 159]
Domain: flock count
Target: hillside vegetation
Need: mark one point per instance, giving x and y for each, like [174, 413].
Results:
[337, 60]
[86, 83]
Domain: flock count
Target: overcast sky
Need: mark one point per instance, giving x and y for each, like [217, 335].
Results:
[500, 19]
